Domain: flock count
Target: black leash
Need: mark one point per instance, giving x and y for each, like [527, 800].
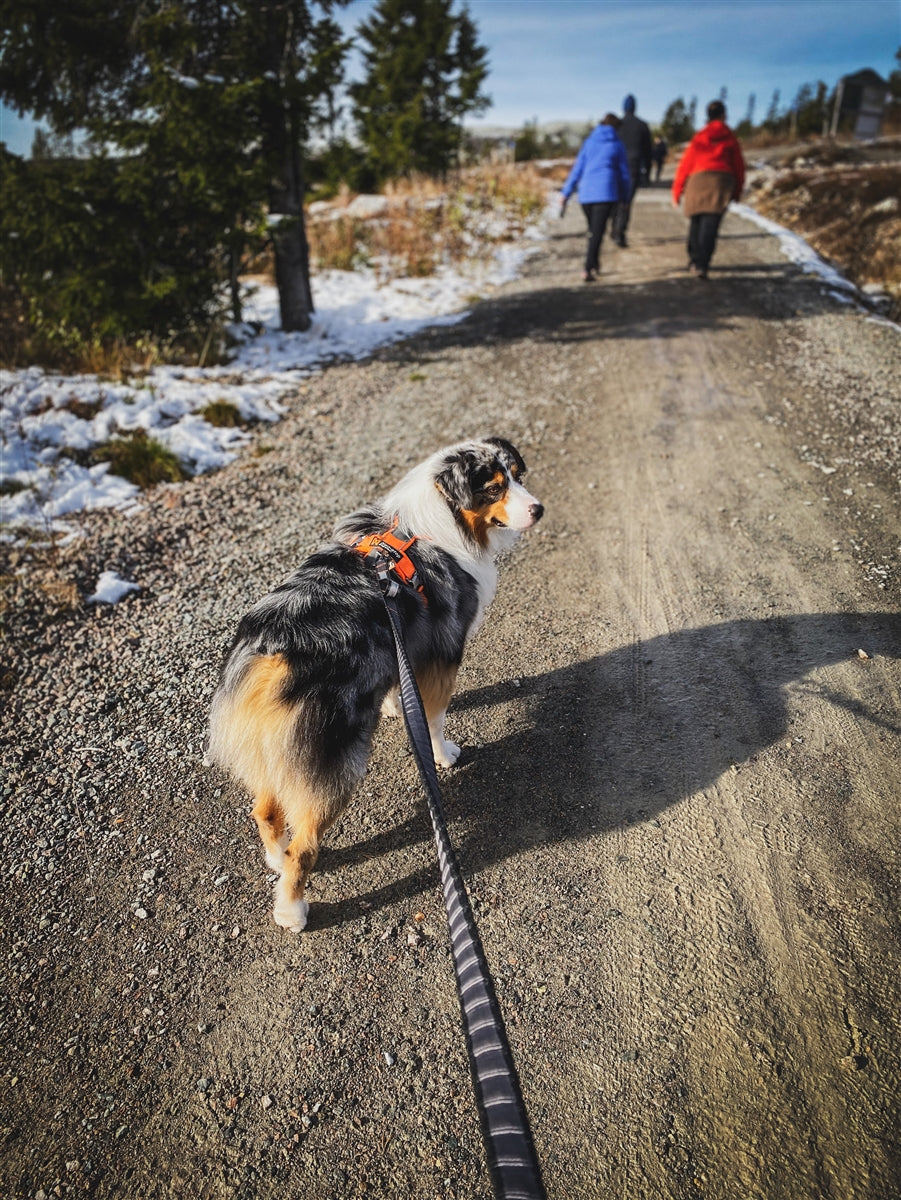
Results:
[512, 1161]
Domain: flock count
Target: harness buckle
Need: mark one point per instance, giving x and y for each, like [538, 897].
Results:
[388, 555]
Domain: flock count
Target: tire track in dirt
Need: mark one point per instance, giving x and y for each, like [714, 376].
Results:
[677, 809]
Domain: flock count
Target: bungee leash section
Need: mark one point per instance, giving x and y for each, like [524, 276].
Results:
[510, 1151]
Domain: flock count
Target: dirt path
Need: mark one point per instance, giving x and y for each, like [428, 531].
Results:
[677, 808]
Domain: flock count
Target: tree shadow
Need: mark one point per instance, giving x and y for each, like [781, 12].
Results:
[619, 738]
[670, 305]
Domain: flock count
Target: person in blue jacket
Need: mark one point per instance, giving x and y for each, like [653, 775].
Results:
[601, 172]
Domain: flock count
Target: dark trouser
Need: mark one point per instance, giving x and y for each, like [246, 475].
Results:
[624, 208]
[702, 231]
[597, 216]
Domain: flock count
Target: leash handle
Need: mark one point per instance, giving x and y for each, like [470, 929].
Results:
[510, 1151]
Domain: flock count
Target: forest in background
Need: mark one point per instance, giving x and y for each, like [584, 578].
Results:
[188, 140]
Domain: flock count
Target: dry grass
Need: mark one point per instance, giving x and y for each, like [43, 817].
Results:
[426, 223]
[24, 343]
[849, 212]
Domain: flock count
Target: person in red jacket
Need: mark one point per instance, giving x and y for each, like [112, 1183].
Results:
[710, 174]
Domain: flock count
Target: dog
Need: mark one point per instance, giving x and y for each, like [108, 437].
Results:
[313, 664]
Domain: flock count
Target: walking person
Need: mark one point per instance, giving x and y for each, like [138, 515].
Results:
[710, 174]
[601, 174]
[636, 137]
[658, 155]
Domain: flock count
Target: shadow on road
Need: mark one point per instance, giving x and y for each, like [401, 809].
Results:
[618, 738]
[667, 306]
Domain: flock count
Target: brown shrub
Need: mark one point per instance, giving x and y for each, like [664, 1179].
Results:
[851, 215]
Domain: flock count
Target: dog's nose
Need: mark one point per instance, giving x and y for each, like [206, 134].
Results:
[536, 511]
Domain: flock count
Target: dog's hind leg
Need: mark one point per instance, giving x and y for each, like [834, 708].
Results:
[299, 859]
[436, 686]
[270, 819]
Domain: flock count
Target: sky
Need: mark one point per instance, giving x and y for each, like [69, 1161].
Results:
[574, 60]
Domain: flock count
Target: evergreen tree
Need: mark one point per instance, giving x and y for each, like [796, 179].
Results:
[424, 70]
[527, 146]
[894, 80]
[219, 97]
[772, 119]
[809, 109]
[745, 127]
[677, 124]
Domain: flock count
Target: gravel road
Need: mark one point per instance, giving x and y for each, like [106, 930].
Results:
[677, 808]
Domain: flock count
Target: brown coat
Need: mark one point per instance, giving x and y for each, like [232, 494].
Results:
[708, 192]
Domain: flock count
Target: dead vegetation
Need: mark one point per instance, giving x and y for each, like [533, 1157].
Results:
[417, 225]
[845, 205]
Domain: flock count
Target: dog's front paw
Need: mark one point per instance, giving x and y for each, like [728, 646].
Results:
[291, 914]
[391, 706]
[446, 754]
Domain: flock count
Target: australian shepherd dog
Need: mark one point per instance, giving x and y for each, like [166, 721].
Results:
[313, 664]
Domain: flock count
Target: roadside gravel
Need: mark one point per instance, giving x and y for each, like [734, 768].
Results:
[677, 809]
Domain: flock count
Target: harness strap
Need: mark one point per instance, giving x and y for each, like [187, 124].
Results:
[388, 554]
[510, 1151]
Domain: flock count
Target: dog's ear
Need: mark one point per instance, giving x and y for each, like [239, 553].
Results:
[454, 479]
[509, 452]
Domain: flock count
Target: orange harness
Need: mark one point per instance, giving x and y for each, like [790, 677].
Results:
[388, 553]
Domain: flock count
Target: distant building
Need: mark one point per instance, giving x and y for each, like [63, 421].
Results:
[860, 103]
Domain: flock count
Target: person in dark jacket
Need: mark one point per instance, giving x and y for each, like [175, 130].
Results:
[710, 174]
[658, 154]
[636, 137]
[601, 174]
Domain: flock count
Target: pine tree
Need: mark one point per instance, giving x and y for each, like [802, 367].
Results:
[772, 119]
[219, 96]
[677, 124]
[424, 70]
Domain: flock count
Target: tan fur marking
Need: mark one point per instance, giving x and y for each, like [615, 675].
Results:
[301, 854]
[479, 520]
[254, 733]
[270, 819]
[261, 692]
[474, 519]
[436, 686]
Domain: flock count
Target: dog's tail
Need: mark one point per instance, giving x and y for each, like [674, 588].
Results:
[251, 726]
[272, 741]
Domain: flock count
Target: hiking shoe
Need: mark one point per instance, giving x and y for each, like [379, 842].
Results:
[588, 277]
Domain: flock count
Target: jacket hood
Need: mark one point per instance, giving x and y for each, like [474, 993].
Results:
[603, 133]
[714, 134]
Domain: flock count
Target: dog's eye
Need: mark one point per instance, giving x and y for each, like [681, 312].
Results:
[493, 491]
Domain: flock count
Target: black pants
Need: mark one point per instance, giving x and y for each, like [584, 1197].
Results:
[597, 216]
[624, 208]
[702, 231]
